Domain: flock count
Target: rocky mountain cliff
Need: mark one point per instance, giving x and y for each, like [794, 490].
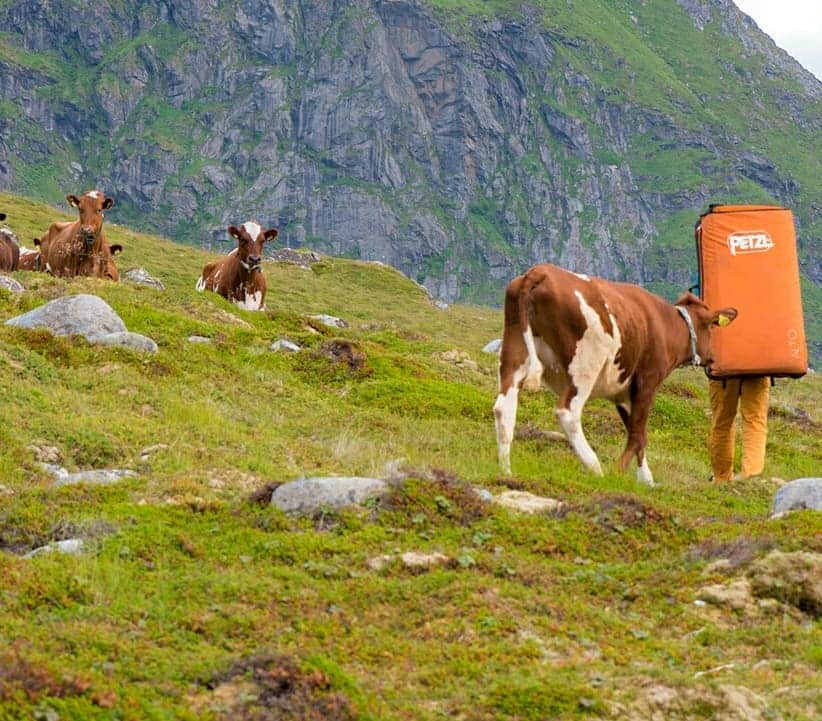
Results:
[458, 141]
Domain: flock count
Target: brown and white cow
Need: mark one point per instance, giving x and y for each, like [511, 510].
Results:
[9, 250]
[81, 247]
[239, 275]
[593, 338]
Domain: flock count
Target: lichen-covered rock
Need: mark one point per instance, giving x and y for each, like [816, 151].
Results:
[792, 578]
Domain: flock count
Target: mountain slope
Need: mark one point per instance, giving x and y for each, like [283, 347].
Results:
[188, 596]
[459, 141]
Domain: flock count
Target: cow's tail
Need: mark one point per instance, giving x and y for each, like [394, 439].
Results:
[533, 377]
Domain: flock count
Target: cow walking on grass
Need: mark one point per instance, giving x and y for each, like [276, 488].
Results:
[9, 250]
[593, 338]
[80, 247]
[238, 276]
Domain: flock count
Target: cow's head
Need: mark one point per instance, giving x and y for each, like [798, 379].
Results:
[91, 207]
[704, 320]
[250, 238]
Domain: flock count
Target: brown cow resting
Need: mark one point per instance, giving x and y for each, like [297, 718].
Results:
[593, 338]
[81, 247]
[9, 250]
[238, 276]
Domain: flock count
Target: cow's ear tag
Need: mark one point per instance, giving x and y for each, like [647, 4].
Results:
[723, 320]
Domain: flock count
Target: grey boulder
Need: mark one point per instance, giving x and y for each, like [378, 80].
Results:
[309, 495]
[493, 346]
[85, 315]
[798, 495]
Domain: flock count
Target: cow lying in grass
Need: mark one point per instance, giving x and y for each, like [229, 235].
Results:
[593, 338]
[80, 247]
[239, 275]
[9, 250]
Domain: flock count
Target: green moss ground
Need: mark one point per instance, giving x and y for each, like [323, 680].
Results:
[539, 618]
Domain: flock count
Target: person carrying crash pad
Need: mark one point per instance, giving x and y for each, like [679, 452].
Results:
[750, 396]
[748, 260]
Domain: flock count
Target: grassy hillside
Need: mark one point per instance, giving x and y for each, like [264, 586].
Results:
[187, 587]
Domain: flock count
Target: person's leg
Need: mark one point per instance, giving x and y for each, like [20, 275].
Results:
[753, 406]
[724, 398]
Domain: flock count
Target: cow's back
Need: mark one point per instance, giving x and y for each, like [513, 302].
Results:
[9, 253]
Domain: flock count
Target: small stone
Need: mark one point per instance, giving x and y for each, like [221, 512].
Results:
[423, 561]
[484, 494]
[283, 344]
[309, 495]
[379, 562]
[441, 304]
[140, 276]
[70, 546]
[736, 595]
[493, 347]
[127, 339]
[54, 469]
[527, 502]
[98, 477]
[10, 284]
[6, 491]
[721, 565]
[330, 320]
[150, 450]
[198, 339]
[47, 454]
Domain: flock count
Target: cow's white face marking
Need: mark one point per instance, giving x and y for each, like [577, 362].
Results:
[582, 276]
[93, 194]
[594, 368]
[252, 229]
[643, 473]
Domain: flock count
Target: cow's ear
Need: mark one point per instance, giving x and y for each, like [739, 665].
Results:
[271, 233]
[234, 232]
[36, 241]
[116, 248]
[107, 203]
[73, 201]
[724, 317]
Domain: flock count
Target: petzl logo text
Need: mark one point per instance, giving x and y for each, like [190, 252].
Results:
[749, 241]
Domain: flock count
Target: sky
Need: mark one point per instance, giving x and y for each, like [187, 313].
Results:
[794, 25]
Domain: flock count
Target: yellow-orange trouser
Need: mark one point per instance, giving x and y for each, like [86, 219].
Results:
[751, 394]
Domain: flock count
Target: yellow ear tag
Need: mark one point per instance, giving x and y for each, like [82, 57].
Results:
[723, 320]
